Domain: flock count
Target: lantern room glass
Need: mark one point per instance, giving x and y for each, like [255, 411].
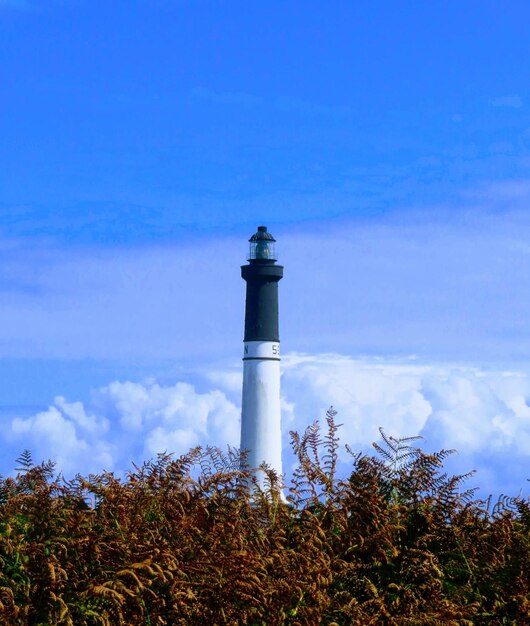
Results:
[262, 250]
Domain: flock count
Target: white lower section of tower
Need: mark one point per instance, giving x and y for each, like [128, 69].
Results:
[261, 433]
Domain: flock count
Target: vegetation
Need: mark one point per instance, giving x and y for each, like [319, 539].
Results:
[191, 541]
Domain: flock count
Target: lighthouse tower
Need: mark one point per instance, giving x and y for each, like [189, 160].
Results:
[260, 415]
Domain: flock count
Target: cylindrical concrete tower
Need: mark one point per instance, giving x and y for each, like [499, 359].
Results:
[260, 415]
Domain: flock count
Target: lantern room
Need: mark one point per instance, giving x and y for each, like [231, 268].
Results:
[262, 247]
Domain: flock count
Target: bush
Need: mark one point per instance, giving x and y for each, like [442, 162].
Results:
[194, 541]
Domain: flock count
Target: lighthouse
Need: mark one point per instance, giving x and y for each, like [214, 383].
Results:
[260, 414]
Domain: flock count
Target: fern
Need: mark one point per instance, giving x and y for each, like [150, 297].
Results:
[314, 477]
[192, 541]
[24, 462]
[397, 453]
[505, 504]
[331, 445]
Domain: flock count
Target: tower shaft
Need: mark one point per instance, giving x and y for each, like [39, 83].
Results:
[261, 412]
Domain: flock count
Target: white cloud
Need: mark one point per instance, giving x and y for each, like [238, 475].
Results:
[367, 394]
[484, 414]
[127, 422]
[54, 435]
[178, 412]
[77, 414]
[177, 441]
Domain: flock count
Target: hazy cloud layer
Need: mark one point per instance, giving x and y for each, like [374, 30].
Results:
[485, 415]
[449, 284]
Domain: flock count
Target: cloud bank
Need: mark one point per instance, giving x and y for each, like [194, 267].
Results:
[484, 414]
[445, 284]
[126, 422]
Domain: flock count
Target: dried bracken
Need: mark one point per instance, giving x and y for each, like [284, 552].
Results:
[194, 541]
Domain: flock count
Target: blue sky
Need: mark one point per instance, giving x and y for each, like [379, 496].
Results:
[385, 144]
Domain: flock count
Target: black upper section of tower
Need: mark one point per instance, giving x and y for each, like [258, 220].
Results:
[262, 276]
